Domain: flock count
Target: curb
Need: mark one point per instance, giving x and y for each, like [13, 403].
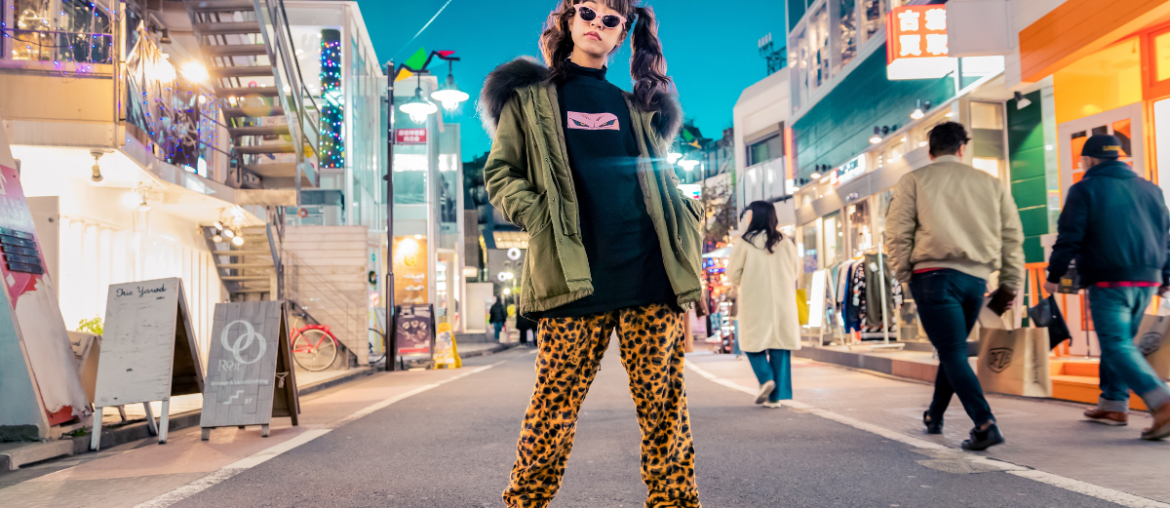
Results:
[136, 430]
[498, 349]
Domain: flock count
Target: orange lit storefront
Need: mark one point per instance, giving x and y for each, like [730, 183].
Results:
[1110, 74]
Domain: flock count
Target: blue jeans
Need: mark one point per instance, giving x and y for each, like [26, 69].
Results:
[498, 327]
[948, 306]
[774, 365]
[1117, 314]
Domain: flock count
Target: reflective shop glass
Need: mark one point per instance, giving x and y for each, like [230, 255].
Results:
[846, 16]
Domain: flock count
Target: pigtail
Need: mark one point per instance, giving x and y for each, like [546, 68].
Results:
[556, 41]
[647, 65]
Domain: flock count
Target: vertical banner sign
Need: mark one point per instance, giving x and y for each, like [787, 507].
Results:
[36, 316]
[916, 43]
[410, 270]
[415, 330]
[249, 368]
[149, 352]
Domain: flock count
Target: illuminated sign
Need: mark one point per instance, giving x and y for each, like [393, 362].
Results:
[916, 43]
[410, 136]
[850, 170]
[692, 190]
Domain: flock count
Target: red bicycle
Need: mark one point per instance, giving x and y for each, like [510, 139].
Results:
[314, 347]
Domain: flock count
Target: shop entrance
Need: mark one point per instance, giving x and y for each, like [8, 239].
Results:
[1124, 122]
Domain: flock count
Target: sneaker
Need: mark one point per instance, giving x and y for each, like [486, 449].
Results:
[765, 391]
[773, 405]
[1161, 427]
[1115, 418]
[933, 425]
[983, 439]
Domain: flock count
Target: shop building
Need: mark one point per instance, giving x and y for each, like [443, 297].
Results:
[1080, 70]
[844, 122]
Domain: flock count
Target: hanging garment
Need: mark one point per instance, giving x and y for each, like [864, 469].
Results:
[857, 307]
[874, 286]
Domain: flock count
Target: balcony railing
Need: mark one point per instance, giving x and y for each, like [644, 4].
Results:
[57, 46]
[764, 181]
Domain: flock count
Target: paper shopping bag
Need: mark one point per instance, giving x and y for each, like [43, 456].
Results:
[1151, 341]
[1014, 362]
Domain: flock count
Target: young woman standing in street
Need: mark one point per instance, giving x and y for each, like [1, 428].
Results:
[581, 166]
[764, 266]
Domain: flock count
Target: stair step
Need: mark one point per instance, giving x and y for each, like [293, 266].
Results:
[259, 130]
[266, 148]
[270, 111]
[253, 290]
[262, 91]
[245, 266]
[242, 253]
[274, 169]
[242, 278]
[228, 28]
[219, 5]
[235, 50]
[241, 71]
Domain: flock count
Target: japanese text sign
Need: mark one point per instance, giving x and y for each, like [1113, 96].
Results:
[410, 136]
[916, 42]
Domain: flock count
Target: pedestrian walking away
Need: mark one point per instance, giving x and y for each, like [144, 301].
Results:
[1116, 227]
[764, 266]
[523, 325]
[498, 316]
[951, 226]
[582, 167]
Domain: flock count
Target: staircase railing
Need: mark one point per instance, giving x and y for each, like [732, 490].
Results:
[313, 292]
[301, 111]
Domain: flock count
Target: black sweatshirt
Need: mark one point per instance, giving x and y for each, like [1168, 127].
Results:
[625, 259]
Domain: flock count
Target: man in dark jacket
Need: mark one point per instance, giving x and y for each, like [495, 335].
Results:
[497, 316]
[1117, 228]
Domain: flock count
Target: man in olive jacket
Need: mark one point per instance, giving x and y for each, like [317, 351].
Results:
[950, 226]
[1116, 226]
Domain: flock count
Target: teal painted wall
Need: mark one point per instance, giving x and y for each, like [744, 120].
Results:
[1026, 153]
[840, 125]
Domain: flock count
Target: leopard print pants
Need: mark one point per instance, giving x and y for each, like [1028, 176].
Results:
[569, 356]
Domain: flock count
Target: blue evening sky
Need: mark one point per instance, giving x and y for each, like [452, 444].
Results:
[710, 47]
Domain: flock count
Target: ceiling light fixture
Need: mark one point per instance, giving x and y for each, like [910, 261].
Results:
[1021, 101]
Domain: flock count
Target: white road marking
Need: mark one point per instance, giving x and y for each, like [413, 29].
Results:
[260, 457]
[1088, 489]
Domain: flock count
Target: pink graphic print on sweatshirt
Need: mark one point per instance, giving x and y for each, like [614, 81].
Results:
[593, 121]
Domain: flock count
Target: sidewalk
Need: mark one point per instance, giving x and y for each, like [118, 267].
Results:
[1044, 434]
[185, 413]
[133, 473]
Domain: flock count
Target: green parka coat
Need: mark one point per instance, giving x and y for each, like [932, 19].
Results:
[528, 179]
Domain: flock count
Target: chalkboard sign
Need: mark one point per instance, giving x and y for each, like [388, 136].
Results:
[148, 350]
[249, 369]
[414, 330]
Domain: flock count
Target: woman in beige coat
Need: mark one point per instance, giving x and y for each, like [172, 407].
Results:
[765, 267]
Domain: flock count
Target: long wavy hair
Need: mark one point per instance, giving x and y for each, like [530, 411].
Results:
[647, 65]
[765, 222]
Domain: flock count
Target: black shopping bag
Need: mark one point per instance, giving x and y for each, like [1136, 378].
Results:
[1047, 315]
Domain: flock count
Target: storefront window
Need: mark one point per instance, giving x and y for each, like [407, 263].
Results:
[80, 32]
[834, 238]
[800, 56]
[873, 16]
[846, 34]
[860, 235]
[808, 248]
[819, 49]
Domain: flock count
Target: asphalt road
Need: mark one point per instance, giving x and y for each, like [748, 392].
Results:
[453, 446]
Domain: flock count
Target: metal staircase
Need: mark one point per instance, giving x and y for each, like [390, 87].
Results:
[271, 116]
[252, 271]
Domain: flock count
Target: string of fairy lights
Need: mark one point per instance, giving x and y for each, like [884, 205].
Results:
[332, 110]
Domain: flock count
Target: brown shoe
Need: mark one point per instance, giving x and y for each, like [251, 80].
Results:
[1161, 428]
[1115, 418]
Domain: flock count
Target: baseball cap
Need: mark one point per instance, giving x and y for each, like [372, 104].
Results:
[1102, 146]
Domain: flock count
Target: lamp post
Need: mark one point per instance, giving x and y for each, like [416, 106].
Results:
[418, 109]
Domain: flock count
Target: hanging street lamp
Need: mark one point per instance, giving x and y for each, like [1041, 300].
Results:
[449, 95]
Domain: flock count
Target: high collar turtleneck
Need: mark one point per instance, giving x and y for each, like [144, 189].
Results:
[577, 70]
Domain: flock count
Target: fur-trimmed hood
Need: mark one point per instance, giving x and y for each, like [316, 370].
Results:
[501, 85]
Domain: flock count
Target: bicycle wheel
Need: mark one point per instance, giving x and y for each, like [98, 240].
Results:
[314, 350]
[378, 347]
